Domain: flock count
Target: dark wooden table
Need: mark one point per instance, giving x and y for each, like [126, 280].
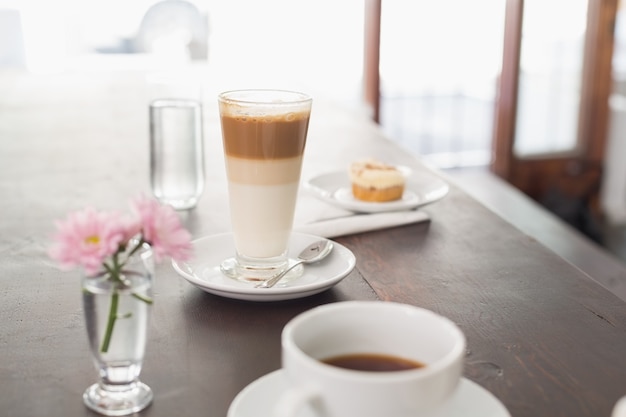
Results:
[543, 337]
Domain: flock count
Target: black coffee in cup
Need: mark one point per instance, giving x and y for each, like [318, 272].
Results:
[372, 362]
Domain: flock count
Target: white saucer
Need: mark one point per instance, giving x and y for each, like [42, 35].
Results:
[469, 400]
[334, 188]
[203, 270]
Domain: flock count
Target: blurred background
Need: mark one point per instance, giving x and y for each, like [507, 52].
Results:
[439, 71]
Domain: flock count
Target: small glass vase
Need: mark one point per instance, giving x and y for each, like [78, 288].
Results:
[117, 311]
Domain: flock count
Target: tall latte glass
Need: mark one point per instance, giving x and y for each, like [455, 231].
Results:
[264, 134]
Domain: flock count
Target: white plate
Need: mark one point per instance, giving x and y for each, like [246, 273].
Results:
[203, 270]
[335, 188]
[469, 400]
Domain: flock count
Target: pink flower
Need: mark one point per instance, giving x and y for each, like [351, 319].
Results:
[161, 228]
[86, 238]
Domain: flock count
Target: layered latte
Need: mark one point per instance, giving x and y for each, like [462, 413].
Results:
[263, 147]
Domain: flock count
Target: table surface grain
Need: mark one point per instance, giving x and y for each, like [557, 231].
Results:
[543, 336]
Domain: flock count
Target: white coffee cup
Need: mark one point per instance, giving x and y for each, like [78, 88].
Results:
[619, 410]
[369, 327]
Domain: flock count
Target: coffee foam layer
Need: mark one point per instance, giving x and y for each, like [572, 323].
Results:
[265, 103]
[263, 172]
[267, 115]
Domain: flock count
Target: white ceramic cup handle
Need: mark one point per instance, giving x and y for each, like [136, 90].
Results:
[292, 400]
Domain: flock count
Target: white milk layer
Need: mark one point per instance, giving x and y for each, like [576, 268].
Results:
[262, 217]
[262, 204]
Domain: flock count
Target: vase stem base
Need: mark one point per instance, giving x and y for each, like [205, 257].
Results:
[119, 402]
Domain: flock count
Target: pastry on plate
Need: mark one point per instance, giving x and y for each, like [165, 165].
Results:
[375, 181]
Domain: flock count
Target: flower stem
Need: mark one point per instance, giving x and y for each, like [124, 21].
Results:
[111, 322]
[143, 298]
[135, 249]
[116, 276]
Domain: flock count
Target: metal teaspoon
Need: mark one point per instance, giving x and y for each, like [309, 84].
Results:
[314, 252]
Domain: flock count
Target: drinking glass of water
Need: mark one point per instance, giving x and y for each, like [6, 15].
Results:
[176, 140]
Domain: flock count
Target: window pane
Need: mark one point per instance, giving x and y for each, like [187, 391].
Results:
[550, 76]
[439, 65]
